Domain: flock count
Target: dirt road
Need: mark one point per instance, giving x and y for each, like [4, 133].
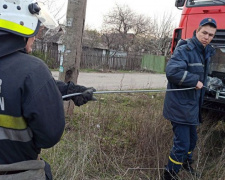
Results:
[120, 81]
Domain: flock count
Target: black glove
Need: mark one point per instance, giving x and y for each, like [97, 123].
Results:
[87, 93]
[84, 97]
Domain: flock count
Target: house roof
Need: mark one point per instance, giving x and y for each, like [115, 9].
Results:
[92, 41]
[56, 38]
[48, 35]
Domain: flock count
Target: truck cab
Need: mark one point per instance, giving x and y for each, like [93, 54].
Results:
[193, 11]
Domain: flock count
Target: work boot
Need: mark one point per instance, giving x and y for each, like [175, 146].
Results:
[169, 175]
[187, 167]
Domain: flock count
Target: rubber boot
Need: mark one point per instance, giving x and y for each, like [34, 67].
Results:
[169, 175]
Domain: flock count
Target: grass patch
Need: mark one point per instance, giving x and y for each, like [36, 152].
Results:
[125, 137]
[90, 70]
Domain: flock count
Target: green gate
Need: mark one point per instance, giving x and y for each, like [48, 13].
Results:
[153, 63]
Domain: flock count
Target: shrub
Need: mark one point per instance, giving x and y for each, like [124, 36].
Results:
[51, 62]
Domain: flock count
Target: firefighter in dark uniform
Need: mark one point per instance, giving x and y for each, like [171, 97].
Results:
[69, 87]
[31, 106]
[188, 67]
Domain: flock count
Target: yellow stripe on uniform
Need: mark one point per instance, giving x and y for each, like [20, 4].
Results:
[175, 162]
[190, 152]
[15, 27]
[12, 122]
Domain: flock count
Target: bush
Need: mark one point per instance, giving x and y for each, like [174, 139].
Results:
[51, 63]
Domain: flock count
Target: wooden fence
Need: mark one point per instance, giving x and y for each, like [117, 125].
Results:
[95, 60]
[116, 62]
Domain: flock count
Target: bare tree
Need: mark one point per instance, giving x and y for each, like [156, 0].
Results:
[122, 26]
[163, 30]
[123, 29]
[91, 38]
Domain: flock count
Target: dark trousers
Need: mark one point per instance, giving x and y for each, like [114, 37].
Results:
[184, 142]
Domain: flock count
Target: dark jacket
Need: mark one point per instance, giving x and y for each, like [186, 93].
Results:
[188, 65]
[31, 106]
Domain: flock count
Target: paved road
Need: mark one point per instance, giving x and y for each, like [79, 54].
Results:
[120, 81]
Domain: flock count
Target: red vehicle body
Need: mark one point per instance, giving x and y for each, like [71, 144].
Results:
[193, 11]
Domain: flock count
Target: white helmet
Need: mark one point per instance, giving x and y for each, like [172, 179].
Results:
[23, 17]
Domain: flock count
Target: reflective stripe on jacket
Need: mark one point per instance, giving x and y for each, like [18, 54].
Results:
[188, 65]
[31, 106]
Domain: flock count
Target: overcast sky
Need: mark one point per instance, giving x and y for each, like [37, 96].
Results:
[152, 8]
[97, 8]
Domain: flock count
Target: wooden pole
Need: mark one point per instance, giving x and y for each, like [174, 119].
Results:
[76, 12]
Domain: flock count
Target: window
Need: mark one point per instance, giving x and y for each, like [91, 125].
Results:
[195, 3]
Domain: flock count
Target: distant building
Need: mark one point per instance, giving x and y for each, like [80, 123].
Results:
[50, 42]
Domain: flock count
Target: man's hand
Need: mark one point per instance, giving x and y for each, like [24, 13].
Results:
[87, 93]
[199, 85]
[86, 96]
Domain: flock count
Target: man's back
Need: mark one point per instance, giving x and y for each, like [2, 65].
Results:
[31, 107]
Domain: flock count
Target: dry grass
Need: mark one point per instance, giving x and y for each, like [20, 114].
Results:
[125, 137]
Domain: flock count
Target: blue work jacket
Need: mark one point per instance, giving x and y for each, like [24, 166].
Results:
[188, 65]
[31, 106]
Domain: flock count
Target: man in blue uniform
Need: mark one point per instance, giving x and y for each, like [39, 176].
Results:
[31, 106]
[188, 67]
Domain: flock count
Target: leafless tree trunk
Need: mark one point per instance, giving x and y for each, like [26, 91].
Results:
[73, 44]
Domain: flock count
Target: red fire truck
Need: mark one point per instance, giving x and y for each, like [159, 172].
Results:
[193, 11]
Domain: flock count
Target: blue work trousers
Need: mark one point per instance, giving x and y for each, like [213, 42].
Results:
[184, 142]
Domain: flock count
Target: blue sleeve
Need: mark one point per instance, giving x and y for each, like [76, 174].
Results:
[63, 87]
[43, 108]
[177, 70]
[69, 88]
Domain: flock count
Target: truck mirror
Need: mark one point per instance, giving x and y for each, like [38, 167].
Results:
[179, 3]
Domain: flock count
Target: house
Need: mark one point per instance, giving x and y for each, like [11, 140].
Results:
[50, 43]
[95, 52]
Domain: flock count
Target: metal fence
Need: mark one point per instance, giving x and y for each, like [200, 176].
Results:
[154, 63]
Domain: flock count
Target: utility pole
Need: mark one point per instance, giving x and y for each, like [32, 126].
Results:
[70, 61]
